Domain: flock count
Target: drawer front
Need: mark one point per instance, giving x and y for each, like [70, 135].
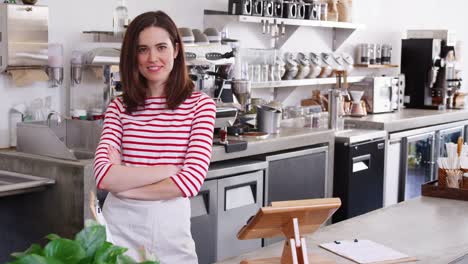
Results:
[239, 198]
[204, 210]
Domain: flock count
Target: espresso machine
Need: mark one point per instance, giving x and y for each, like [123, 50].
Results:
[210, 68]
[427, 62]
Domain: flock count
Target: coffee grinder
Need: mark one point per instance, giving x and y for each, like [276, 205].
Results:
[430, 80]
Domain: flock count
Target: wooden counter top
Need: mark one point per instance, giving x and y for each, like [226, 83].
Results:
[431, 229]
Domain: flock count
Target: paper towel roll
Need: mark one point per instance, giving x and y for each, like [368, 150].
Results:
[24, 77]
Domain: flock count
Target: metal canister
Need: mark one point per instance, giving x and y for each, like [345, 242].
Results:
[323, 11]
[268, 119]
[314, 10]
[363, 52]
[386, 53]
[378, 54]
[371, 50]
[278, 8]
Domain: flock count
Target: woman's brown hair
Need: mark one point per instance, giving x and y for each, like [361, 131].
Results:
[135, 90]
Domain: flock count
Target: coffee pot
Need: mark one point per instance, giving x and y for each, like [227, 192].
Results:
[356, 106]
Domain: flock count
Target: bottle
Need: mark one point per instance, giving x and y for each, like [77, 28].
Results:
[120, 18]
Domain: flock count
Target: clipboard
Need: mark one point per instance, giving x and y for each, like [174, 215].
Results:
[290, 219]
[367, 252]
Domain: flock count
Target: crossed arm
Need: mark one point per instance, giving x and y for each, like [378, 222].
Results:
[153, 183]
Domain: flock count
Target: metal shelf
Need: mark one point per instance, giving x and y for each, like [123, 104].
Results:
[103, 36]
[303, 82]
[297, 22]
[341, 30]
[376, 66]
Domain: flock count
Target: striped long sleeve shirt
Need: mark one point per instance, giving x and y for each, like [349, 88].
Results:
[154, 135]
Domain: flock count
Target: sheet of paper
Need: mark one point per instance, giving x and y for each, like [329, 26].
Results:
[364, 251]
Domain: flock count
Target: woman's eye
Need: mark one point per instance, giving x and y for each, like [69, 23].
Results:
[161, 48]
[142, 50]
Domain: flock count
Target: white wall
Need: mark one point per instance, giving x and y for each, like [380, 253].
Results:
[385, 22]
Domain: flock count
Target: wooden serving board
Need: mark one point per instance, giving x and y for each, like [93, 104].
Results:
[313, 259]
[432, 189]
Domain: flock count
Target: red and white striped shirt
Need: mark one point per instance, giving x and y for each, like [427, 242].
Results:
[155, 135]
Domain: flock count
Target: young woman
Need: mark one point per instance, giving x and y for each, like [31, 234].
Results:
[156, 143]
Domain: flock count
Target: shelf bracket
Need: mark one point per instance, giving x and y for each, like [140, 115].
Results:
[334, 44]
[339, 36]
[283, 38]
[284, 94]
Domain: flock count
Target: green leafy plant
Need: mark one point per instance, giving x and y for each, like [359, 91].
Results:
[89, 247]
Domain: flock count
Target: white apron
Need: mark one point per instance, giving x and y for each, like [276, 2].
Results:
[161, 227]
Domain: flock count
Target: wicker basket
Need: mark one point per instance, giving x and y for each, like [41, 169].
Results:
[442, 182]
[464, 183]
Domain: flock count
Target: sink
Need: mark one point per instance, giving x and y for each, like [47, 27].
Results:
[70, 139]
[12, 183]
[83, 155]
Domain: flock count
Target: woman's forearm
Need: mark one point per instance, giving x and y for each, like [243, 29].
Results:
[121, 178]
[163, 190]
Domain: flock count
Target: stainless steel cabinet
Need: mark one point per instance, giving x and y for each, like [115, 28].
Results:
[411, 158]
[204, 212]
[232, 192]
[392, 172]
[239, 198]
[296, 175]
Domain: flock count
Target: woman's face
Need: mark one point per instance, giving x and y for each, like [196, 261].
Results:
[156, 55]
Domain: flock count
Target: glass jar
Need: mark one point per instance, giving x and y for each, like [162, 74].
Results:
[344, 11]
[324, 120]
[332, 10]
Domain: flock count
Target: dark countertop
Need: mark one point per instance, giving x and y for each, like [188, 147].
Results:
[406, 119]
[431, 229]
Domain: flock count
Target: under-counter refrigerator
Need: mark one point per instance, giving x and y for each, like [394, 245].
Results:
[418, 164]
[359, 172]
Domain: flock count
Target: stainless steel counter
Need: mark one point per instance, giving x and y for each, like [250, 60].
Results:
[432, 230]
[288, 138]
[406, 119]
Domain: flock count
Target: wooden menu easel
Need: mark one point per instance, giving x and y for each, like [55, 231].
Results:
[291, 219]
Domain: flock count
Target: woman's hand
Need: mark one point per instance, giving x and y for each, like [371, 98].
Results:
[114, 155]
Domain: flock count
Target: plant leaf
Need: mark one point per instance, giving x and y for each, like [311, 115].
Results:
[36, 259]
[123, 259]
[65, 250]
[108, 253]
[90, 222]
[52, 237]
[87, 260]
[33, 249]
[149, 262]
[91, 238]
